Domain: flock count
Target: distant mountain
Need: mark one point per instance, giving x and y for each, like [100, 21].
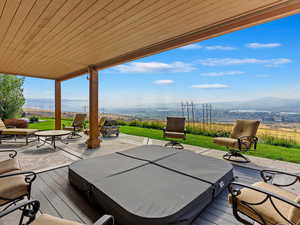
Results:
[263, 104]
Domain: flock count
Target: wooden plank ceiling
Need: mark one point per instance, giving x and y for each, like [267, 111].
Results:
[58, 39]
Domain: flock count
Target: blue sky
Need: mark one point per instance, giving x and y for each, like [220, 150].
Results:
[262, 61]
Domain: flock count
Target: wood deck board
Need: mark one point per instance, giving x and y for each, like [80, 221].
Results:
[59, 198]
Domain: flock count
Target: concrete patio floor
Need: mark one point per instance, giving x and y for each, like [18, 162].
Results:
[45, 157]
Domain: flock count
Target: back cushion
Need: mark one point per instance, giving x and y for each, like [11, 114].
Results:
[294, 214]
[245, 128]
[175, 124]
[2, 125]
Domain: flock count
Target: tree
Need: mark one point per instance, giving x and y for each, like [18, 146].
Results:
[11, 96]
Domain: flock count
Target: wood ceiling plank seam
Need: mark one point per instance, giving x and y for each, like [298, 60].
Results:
[146, 26]
[40, 7]
[153, 33]
[31, 49]
[77, 7]
[156, 0]
[3, 7]
[26, 11]
[8, 15]
[18, 30]
[10, 23]
[96, 35]
[72, 8]
[83, 32]
[47, 15]
[242, 23]
[103, 50]
[42, 47]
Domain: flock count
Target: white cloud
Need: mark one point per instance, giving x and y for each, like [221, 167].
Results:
[191, 46]
[262, 45]
[163, 82]
[220, 74]
[154, 67]
[220, 47]
[237, 61]
[210, 86]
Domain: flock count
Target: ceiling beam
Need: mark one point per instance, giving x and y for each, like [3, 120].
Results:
[265, 15]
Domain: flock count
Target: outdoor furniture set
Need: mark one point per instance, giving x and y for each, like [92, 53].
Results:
[106, 128]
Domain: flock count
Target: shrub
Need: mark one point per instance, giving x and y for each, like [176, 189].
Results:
[18, 123]
[278, 141]
[33, 119]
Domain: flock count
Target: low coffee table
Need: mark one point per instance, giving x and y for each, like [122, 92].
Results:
[50, 136]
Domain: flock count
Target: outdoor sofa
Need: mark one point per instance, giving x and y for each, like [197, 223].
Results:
[30, 209]
[15, 132]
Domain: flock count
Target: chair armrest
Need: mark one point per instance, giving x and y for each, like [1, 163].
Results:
[234, 190]
[268, 176]
[12, 153]
[30, 176]
[35, 205]
[105, 220]
[251, 139]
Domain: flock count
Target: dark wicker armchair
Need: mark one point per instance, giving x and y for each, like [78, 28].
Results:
[30, 209]
[242, 139]
[175, 129]
[266, 202]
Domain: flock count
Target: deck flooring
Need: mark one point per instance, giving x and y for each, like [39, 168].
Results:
[60, 199]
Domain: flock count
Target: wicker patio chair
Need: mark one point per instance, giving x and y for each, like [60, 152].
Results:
[242, 139]
[5, 131]
[266, 202]
[15, 187]
[11, 164]
[30, 209]
[77, 125]
[175, 129]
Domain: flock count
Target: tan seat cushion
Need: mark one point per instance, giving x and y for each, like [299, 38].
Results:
[231, 143]
[266, 210]
[170, 134]
[12, 187]
[45, 219]
[228, 142]
[18, 131]
[9, 165]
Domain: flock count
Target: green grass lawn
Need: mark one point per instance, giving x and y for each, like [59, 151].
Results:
[263, 150]
[48, 124]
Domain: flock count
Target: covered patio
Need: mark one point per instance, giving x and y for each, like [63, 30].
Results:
[61, 40]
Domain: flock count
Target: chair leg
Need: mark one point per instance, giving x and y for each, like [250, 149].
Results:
[174, 144]
[236, 154]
